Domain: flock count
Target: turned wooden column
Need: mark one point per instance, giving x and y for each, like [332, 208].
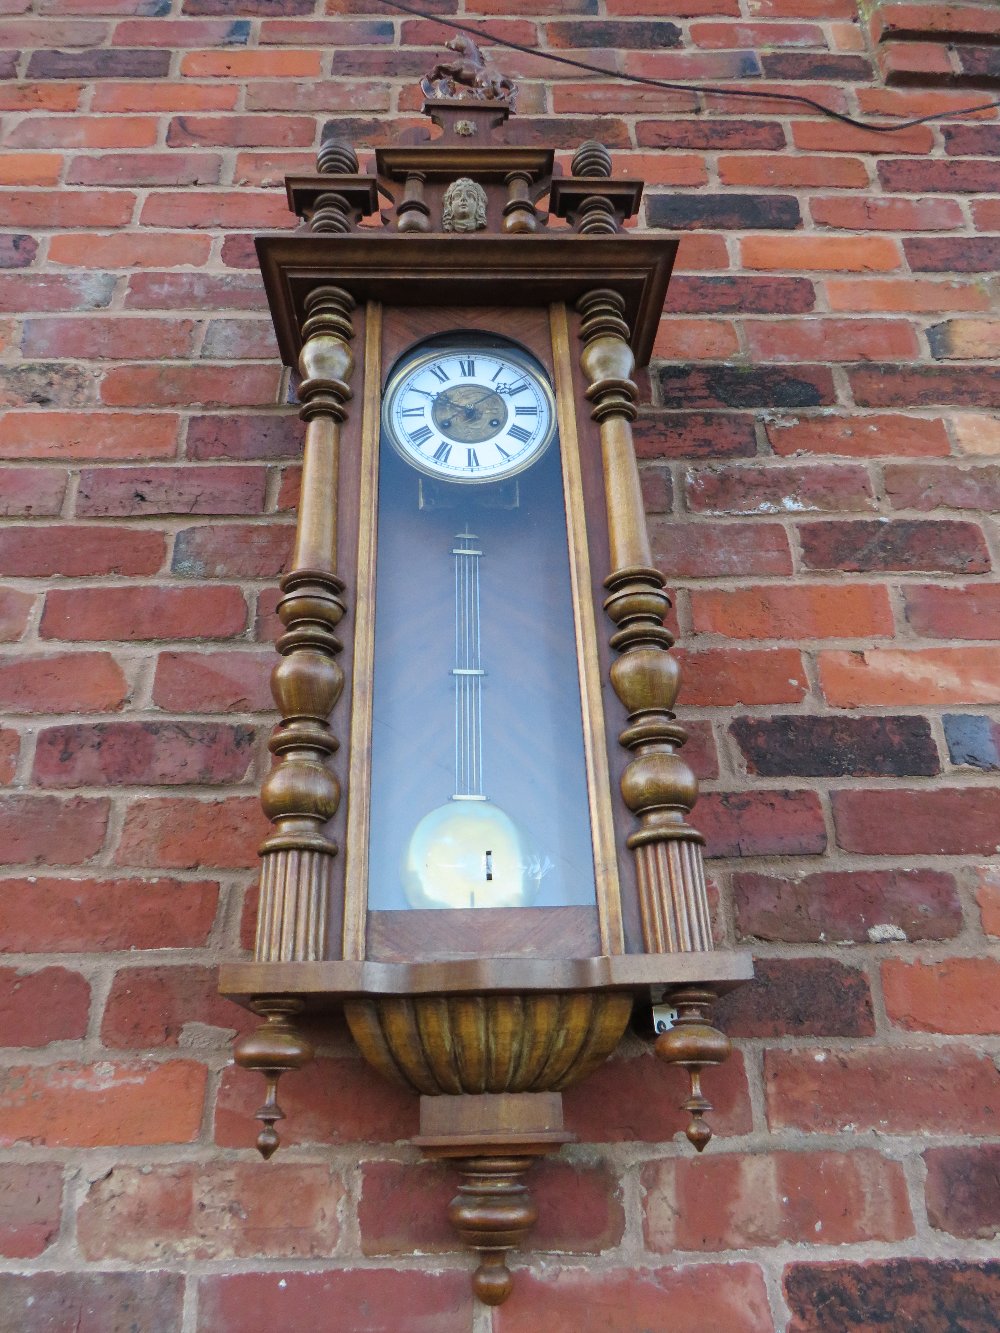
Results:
[658, 786]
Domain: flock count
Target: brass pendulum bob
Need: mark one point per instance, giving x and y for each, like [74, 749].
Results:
[275, 1047]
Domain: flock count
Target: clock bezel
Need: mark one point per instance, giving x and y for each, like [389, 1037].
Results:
[454, 344]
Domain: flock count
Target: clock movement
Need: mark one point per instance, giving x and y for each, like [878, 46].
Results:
[480, 852]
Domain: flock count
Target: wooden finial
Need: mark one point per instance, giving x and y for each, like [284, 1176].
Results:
[493, 1212]
[693, 1043]
[276, 1047]
[591, 159]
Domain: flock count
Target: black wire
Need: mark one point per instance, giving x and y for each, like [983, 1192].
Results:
[483, 34]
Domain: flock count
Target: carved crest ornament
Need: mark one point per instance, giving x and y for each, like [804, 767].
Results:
[471, 557]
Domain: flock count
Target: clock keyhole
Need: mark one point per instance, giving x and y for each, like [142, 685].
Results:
[489, 865]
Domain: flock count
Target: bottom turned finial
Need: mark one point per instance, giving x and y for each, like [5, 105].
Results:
[694, 1043]
[276, 1047]
[493, 1212]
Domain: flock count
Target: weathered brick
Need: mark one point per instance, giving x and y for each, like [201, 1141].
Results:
[45, 830]
[10, 748]
[953, 176]
[710, 135]
[132, 169]
[862, 545]
[740, 295]
[79, 915]
[84, 132]
[78, 551]
[744, 386]
[144, 613]
[832, 339]
[899, 677]
[962, 1195]
[216, 682]
[199, 291]
[739, 1201]
[104, 1105]
[943, 486]
[15, 611]
[104, 435]
[808, 611]
[123, 753]
[694, 435]
[940, 1090]
[725, 676]
[17, 251]
[795, 745]
[840, 1297]
[987, 883]
[761, 823]
[112, 1302]
[107, 63]
[216, 1211]
[858, 436]
[965, 339]
[809, 65]
[898, 294]
[47, 384]
[184, 833]
[128, 492]
[233, 550]
[752, 489]
[972, 739]
[30, 1208]
[41, 1007]
[968, 612]
[241, 131]
[955, 995]
[855, 213]
[55, 291]
[683, 549]
[67, 208]
[844, 907]
[945, 254]
[948, 821]
[799, 997]
[191, 385]
[61, 683]
[107, 338]
[152, 1007]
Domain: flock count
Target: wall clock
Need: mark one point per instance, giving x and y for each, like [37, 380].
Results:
[481, 851]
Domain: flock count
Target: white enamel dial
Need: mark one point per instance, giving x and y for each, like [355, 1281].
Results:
[469, 414]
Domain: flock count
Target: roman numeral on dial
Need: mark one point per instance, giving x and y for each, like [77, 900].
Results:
[468, 368]
[421, 436]
[526, 411]
[439, 374]
[520, 434]
[442, 453]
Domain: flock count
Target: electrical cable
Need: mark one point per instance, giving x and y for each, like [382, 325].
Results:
[483, 34]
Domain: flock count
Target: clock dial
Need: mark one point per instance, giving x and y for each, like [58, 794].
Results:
[469, 414]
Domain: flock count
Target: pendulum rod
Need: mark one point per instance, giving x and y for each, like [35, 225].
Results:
[468, 671]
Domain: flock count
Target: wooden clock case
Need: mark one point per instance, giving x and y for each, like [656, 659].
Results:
[486, 1013]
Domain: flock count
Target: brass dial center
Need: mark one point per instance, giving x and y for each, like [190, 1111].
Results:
[469, 414]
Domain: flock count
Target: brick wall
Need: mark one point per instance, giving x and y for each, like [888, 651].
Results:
[821, 456]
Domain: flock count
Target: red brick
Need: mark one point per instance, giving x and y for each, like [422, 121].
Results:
[404, 1208]
[969, 612]
[329, 1101]
[344, 95]
[720, 36]
[750, 489]
[128, 492]
[631, 99]
[917, 21]
[951, 995]
[865, 214]
[144, 613]
[954, 176]
[945, 546]
[695, 339]
[112, 1302]
[98, 64]
[251, 64]
[897, 677]
[183, 833]
[81, 915]
[256, 131]
[694, 435]
[30, 168]
[152, 96]
[209, 208]
[15, 611]
[706, 550]
[233, 550]
[681, 1299]
[859, 436]
[925, 386]
[128, 250]
[724, 676]
[899, 294]
[39, 96]
[111, 338]
[270, 169]
[710, 135]
[104, 435]
[944, 1090]
[840, 1297]
[197, 386]
[761, 823]
[84, 132]
[200, 1212]
[78, 551]
[782, 169]
[180, 32]
[27, 492]
[152, 1007]
[41, 1007]
[104, 1105]
[61, 683]
[199, 291]
[965, 339]
[848, 907]
[216, 682]
[906, 102]
[948, 821]
[10, 748]
[30, 1208]
[133, 169]
[807, 611]
[44, 830]
[872, 254]
[740, 295]
[126, 753]
[740, 1201]
[832, 339]
[378, 1301]
[55, 291]
[953, 254]
[943, 486]
[67, 208]
[962, 1197]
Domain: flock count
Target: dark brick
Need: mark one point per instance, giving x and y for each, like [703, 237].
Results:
[644, 36]
[111, 1302]
[979, 64]
[744, 386]
[861, 545]
[17, 251]
[963, 1190]
[740, 296]
[803, 65]
[946, 821]
[925, 1294]
[684, 435]
[972, 140]
[973, 740]
[919, 486]
[925, 386]
[104, 63]
[710, 134]
[238, 252]
[269, 8]
[953, 254]
[800, 746]
[799, 997]
[848, 907]
[244, 437]
[762, 823]
[120, 753]
[952, 176]
[738, 212]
